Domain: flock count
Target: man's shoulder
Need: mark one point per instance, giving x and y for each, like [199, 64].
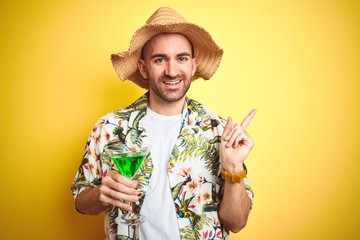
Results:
[202, 110]
[124, 112]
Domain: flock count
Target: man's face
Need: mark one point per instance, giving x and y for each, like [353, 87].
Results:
[168, 65]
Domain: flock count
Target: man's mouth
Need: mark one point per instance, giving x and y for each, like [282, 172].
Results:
[172, 82]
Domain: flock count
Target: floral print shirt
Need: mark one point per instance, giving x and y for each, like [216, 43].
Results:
[193, 168]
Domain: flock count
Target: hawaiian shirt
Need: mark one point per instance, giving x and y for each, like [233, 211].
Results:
[193, 168]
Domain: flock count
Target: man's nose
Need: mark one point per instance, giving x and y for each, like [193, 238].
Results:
[171, 69]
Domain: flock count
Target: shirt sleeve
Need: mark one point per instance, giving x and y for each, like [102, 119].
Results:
[249, 190]
[91, 169]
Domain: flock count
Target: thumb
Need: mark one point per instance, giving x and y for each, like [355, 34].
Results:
[227, 129]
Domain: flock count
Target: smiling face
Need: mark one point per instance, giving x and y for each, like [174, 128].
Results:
[168, 65]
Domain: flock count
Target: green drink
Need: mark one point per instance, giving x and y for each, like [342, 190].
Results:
[128, 165]
[128, 160]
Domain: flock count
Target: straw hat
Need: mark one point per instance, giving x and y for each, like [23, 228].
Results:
[167, 20]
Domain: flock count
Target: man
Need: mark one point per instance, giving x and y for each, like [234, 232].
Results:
[193, 184]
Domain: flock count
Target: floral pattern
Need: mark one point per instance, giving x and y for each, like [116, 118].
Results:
[193, 168]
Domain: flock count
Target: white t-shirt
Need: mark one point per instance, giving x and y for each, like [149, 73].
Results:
[158, 207]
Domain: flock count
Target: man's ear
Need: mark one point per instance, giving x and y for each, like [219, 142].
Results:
[142, 68]
[195, 64]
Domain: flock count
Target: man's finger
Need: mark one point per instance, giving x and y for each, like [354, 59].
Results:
[248, 118]
[236, 131]
[227, 128]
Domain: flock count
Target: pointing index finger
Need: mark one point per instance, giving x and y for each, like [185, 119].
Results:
[247, 119]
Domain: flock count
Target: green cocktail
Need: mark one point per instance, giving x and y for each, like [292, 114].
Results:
[128, 161]
[128, 165]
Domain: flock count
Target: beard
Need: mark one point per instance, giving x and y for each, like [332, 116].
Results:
[170, 95]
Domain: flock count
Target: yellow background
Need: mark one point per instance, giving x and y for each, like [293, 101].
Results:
[297, 62]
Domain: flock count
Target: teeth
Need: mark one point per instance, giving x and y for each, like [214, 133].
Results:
[172, 83]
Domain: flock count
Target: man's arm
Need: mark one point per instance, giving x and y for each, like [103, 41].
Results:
[235, 206]
[113, 188]
[235, 147]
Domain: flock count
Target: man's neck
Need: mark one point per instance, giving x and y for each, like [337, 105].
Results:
[160, 106]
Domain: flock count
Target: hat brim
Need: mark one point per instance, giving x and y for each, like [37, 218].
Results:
[209, 54]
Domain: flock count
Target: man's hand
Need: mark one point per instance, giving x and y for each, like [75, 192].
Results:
[236, 144]
[113, 189]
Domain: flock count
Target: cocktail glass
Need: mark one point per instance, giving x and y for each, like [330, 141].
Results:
[128, 162]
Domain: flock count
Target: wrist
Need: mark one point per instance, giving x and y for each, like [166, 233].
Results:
[234, 168]
[234, 177]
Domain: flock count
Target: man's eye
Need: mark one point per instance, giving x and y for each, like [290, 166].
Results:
[159, 60]
[182, 59]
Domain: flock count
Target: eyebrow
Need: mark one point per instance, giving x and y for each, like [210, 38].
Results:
[184, 54]
[156, 55]
[161, 55]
